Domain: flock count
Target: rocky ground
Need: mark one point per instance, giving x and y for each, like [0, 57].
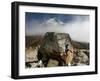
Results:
[45, 51]
[80, 59]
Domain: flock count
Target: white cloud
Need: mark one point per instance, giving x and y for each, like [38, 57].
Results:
[78, 28]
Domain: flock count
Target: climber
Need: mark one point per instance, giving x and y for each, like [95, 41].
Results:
[69, 55]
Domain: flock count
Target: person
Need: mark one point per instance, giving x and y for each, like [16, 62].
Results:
[69, 56]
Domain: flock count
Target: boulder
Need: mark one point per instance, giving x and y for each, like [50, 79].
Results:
[80, 58]
[52, 46]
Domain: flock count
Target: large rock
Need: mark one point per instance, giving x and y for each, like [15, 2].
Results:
[30, 55]
[85, 58]
[52, 46]
[80, 58]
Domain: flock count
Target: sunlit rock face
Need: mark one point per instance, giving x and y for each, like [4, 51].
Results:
[62, 40]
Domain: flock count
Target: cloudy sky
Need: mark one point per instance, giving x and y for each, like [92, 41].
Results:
[76, 25]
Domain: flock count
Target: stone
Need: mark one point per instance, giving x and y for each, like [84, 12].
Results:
[80, 58]
[52, 46]
[52, 63]
[84, 57]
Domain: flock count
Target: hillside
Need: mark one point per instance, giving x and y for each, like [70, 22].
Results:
[33, 41]
[80, 45]
[37, 40]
